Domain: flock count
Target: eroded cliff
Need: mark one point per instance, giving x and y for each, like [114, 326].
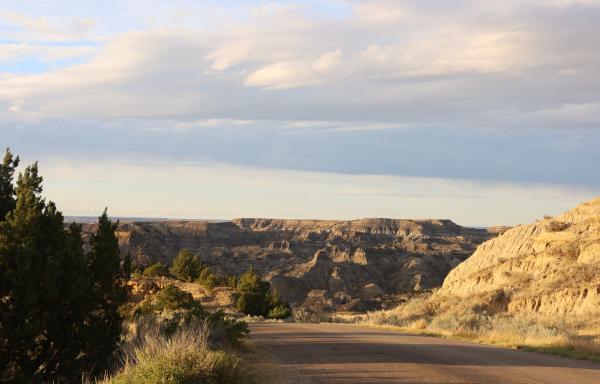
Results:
[551, 266]
[353, 265]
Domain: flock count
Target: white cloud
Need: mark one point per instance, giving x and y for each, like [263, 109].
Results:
[43, 28]
[230, 54]
[283, 75]
[299, 73]
[222, 122]
[342, 126]
[328, 61]
[448, 51]
[353, 63]
[16, 106]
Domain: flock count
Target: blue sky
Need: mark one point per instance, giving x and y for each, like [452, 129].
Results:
[482, 112]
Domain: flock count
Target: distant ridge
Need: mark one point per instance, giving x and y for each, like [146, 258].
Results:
[131, 219]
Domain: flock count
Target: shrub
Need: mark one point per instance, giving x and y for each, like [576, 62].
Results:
[282, 311]
[185, 357]
[306, 315]
[172, 309]
[555, 226]
[173, 298]
[207, 279]
[225, 330]
[253, 304]
[256, 297]
[186, 266]
[156, 270]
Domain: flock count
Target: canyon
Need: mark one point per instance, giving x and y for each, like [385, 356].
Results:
[353, 265]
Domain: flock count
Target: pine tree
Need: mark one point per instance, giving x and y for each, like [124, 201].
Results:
[43, 290]
[108, 293]
[255, 294]
[186, 266]
[7, 190]
[7, 204]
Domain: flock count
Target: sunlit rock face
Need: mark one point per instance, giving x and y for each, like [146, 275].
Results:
[367, 259]
[551, 266]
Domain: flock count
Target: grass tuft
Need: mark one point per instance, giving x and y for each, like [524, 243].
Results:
[185, 357]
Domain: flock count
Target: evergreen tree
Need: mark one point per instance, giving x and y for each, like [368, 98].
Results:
[186, 266]
[108, 293]
[156, 270]
[43, 287]
[257, 298]
[58, 309]
[207, 279]
[255, 294]
[7, 190]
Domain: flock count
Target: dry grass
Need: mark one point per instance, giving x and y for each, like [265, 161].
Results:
[473, 321]
[196, 353]
[185, 357]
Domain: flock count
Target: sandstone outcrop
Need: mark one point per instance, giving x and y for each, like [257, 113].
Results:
[356, 264]
[551, 266]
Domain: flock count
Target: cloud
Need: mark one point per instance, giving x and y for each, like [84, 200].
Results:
[585, 113]
[283, 49]
[462, 64]
[229, 54]
[42, 28]
[472, 90]
[558, 156]
[284, 75]
[15, 107]
[448, 52]
[342, 126]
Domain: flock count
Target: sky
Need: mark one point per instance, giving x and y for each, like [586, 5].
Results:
[483, 112]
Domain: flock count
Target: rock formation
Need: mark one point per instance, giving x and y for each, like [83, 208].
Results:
[551, 266]
[350, 264]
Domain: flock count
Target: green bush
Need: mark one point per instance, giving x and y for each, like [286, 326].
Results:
[281, 311]
[207, 279]
[173, 298]
[156, 270]
[186, 266]
[172, 309]
[253, 304]
[256, 297]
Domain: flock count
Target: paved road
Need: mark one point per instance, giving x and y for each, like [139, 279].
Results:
[337, 353]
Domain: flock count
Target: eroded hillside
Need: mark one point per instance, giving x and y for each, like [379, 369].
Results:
[551, 266]
[355, 265]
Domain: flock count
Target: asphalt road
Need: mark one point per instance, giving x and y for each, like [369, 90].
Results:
[337, 353]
